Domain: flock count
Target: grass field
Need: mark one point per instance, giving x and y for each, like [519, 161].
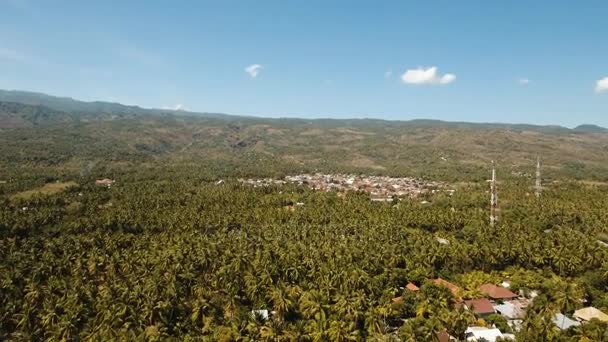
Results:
[46, 190]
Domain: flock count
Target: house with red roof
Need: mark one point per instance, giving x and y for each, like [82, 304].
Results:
[496, 292]
[455, 289]
[410, 286]
[480, 307]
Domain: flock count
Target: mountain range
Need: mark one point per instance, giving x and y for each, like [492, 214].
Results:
[42, 129]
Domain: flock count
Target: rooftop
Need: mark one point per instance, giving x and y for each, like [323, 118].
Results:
[496, 292]
[589, 313]
[563, 322]
[480, 306]
[455, 289]
[412, 287]
[482, 334]
[515, 309]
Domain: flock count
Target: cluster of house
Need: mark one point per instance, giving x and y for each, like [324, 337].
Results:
[380, 188]
[500, 300]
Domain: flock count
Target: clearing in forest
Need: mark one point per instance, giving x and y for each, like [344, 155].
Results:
[46, 190]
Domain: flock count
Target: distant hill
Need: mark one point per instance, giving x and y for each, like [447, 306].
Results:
[590, 129]
[62, 130]
[96, 108]
[65, 104]
[89, 110]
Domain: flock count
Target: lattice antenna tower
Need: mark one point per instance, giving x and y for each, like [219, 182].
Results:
[493, 197]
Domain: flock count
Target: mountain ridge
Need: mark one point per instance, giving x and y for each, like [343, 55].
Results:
[71, 105]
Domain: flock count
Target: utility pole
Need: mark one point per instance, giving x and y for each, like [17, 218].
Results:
[493, 197]
[538, 187]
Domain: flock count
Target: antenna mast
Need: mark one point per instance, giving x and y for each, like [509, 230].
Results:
[538, 187]
[493, 197]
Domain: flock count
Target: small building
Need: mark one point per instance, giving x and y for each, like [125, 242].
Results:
[442, 241]
[563, 322]
[483, 334]
[105, 182]
[512, 310]
[444, 336]
[480, 307]
[456, 290]
[412, 287]
[497, 292]
[589, 313]
[262, 314]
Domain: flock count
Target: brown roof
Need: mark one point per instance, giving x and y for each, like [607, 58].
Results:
[480, 306]
[443, 336]
[496, 292]
[397, 299]
[456, 291]
[412, 287]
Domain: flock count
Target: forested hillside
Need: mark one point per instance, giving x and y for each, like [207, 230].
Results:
[71, 134]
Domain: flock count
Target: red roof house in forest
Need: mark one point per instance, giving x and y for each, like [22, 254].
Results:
[456, 291]
[443, 336]
[412, 287]
[480, 306]
[104, 182]
[496, 292]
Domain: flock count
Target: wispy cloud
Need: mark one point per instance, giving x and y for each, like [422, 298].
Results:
[426, 76]
[253, 70]
[601, 85]
[523, 81]
[388, 74]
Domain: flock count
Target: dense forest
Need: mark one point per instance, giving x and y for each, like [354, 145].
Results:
[178, 249]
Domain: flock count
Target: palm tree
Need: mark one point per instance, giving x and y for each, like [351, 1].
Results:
[341, 331]
[280, 302]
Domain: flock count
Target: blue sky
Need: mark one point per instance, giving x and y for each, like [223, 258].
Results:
[508, 61]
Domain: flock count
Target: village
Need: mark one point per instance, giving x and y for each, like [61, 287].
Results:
[380, 188]
[500, 300]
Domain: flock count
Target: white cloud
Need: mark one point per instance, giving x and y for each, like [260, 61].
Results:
[178, 106]
[426, 76]
[523, 81]
[253, 70]
[388, 74]
[447, 78]
[601, 85]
